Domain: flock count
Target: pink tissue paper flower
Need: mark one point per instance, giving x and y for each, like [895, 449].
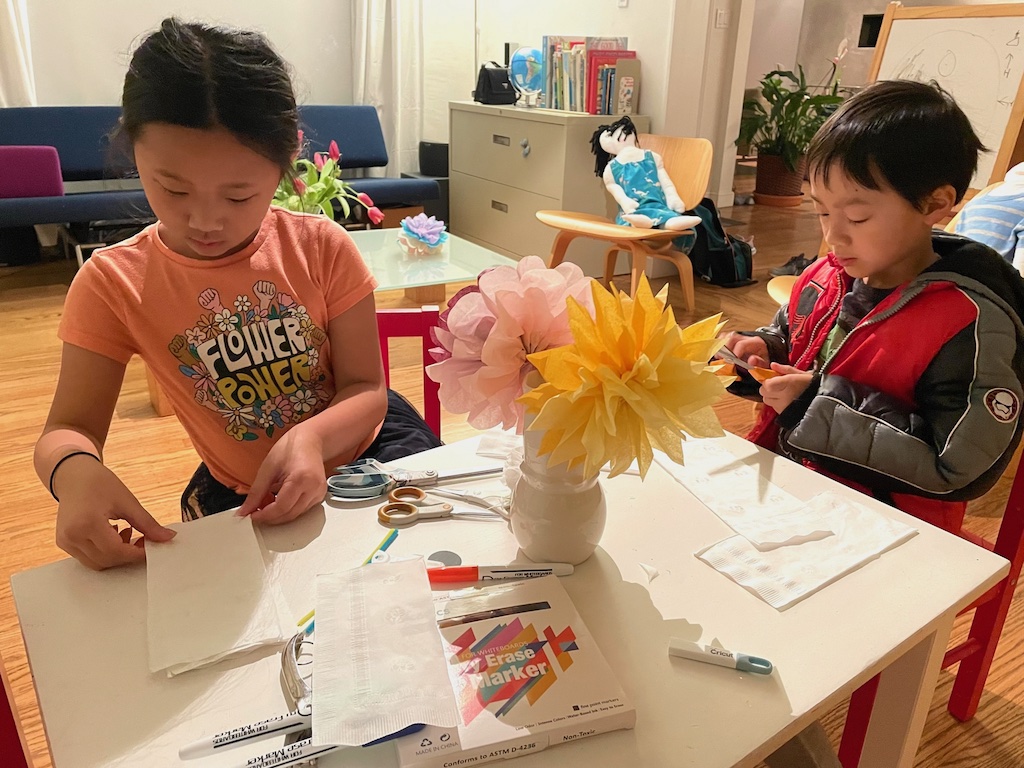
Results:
[488, 330]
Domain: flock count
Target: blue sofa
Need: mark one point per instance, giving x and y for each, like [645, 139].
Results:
[80, 136]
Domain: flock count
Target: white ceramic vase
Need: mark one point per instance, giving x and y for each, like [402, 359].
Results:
[556, 515]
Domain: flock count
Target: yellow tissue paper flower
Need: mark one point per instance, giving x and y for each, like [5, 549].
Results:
[631, 381]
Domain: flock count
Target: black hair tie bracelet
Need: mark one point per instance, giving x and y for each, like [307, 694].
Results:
[53, 472]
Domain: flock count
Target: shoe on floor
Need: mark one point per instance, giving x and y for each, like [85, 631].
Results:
[794, 266]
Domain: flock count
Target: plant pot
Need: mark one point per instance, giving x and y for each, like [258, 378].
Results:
[776, 184]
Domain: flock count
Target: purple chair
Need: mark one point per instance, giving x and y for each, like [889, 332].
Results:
[30, 172]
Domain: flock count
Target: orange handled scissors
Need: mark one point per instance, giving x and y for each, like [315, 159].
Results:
[408, 504]
[761, 375]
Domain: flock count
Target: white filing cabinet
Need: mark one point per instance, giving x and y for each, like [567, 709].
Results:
[507, 163]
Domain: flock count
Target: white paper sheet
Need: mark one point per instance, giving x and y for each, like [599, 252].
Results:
[786, 574]
[741, 497]
[209, 595]
[379, 663]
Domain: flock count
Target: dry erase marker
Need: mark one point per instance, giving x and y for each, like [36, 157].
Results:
[449, 574]
[709, 654]
[274, 726]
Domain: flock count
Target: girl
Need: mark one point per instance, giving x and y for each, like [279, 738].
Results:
[259, 323]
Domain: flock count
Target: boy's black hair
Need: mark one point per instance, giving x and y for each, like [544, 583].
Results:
[628, 129]
[909, 135]
[200, 76]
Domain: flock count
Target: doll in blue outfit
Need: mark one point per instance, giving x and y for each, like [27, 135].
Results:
[637, 180]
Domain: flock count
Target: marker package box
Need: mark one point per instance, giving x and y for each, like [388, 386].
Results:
[526, 673]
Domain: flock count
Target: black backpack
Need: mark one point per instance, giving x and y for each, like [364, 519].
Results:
[717, 258]
[493, 85]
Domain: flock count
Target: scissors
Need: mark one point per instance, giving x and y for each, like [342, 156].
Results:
[407, 505]
[368, 479]
[759, 374]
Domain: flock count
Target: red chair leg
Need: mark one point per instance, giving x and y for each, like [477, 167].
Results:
[856, 730]
[970, 677]
[12, 749]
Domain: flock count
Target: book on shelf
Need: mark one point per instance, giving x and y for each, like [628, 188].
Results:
[598, 62]
[627, 86]
[569, 82]
[527, 676]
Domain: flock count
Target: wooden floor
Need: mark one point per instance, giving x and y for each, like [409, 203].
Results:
[154, 458]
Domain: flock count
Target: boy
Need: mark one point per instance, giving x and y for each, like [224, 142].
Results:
[900, 354]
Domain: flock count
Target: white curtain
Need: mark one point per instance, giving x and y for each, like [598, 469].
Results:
[17, 83]
[387, 73]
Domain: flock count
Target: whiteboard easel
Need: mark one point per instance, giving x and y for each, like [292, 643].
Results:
[976, 53]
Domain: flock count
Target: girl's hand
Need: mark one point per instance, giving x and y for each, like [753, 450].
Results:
[291, 479]
[751, 349]
[780, 391]
[90, 497]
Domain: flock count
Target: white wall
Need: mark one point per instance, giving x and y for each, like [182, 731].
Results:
[778, 36]
[80, 48]
[449, 61]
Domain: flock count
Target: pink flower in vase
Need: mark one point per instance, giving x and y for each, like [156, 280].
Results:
[376, 214]
[333, 151]
[488, 330]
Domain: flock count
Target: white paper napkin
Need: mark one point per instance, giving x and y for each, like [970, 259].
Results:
[786, 574]
[379, 663]
[209, 595]
[741, 497]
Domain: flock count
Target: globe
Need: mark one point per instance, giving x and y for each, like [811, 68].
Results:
[526, 69]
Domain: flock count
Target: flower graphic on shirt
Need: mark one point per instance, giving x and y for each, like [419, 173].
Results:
[205, 325]
[266, 420]
[284, 407]
[239, 420]
[201, 378]
[255, 363]
[195, 336]
[303, 400]
[299, 312]
[224, 320]
[237, 431]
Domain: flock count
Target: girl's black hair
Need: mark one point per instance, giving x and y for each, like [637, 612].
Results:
[199, 76]
[628, 129]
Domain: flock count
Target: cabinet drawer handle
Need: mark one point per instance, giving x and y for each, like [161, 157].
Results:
[499, 206]
[503, 140]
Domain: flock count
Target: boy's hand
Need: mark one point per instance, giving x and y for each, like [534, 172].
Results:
[291, 480]
[90, 497]
[751, 349]
[780, 391]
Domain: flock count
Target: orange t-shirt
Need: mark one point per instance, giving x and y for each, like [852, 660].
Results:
[238, 344]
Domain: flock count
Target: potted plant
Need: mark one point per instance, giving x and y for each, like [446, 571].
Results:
[780, 126]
